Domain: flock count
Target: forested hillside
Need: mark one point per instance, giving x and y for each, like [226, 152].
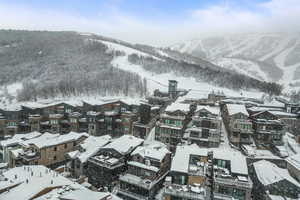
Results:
[51, 64]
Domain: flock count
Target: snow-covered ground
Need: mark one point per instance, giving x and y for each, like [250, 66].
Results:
[241, 66]
[241, 51]
[160, 81]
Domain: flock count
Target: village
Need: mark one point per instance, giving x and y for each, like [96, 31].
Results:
[173, 145]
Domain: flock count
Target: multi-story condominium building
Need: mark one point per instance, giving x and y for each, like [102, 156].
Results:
[93, 121]
[230, 176]
[47, 149]
[2, 126]
[269, 179]
[128, 118]
[147, 169]
[105, 167]
[74, 119]
[205, 127]
[172, 124]
[55, 121]
[34, 122]
[13, 117]
[238, 124]
[142, 127]
[268, 129]
[14, 143]
[85, 150]
[189, 174]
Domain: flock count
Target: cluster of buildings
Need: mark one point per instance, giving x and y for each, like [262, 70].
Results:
[172, 146]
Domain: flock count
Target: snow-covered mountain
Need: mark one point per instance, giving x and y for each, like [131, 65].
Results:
[46, 65]
[265, 56]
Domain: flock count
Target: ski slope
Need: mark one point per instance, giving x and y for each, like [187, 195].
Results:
[265, 56]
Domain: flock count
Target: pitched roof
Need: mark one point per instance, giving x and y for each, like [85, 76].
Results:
[212, 109]
[154, 151]
[268, 173]
[181, 159]
[19, 138]
[125, 144]
[237, 160]
[178, 106]
[48, 139]
[91, 145]
[236, 108]
[294, 160]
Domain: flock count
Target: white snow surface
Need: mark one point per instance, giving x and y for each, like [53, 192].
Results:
[178, 106]
[49, 139]
[294, 161]
[237, 160]
[181, 159]
[91, 146]
[125, 144]
[243, 52]
[41, 178]
[153, 151]
[212, 109]
[236, 108]
[17, 138]
[268, 173]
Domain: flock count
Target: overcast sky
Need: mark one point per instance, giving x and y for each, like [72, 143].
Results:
[155, 22]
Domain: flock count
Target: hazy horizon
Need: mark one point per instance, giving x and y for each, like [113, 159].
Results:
[158, 23]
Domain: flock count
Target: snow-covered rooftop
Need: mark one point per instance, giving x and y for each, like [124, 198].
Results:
[236, 108]
[19, 138]
[253, 152]
[152, 151]
[268, 173]
[284, 114]
[178, 106]
[212, 109]
[237, 160]
[180, 162]
[294, 161]
[38, 177]
[125, 144]
[91, 145]
[48, 139]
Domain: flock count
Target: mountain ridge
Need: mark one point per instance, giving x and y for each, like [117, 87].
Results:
[48, 64]
[266, 56]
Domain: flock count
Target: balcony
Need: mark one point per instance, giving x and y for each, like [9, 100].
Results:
[107, 162]
[186, 191]
[30, 155]
[234, 182]
[219, 196]
[240, 130]
[270, 132]
[132, 194]
[246, 140]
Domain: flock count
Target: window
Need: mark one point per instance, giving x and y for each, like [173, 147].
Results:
[66, 145]
[178, 123]
[68, 110]
[221, 163]
[55, 148]
[54, 158]
[74, 143]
